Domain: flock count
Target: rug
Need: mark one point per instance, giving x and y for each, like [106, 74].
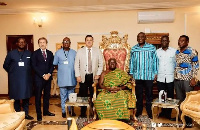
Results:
[81, 122]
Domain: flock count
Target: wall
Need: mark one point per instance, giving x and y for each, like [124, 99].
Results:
[76, 25]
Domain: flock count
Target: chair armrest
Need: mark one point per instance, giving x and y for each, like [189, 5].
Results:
[190, 96]
[94, 85]
[6, 106]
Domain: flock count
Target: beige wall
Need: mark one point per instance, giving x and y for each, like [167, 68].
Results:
[77, 25]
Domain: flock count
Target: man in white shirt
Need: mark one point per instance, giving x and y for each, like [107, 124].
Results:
[165, 77]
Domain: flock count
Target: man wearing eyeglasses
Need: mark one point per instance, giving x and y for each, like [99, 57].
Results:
[64, 60]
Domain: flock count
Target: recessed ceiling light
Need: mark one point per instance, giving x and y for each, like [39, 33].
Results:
[3, 4]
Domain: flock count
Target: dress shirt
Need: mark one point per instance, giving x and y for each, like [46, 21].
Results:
[166, 64]
[87, 57]
[44, 51]
[143, 62]
[187, 64]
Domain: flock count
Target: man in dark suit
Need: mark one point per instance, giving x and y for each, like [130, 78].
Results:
[42, 63]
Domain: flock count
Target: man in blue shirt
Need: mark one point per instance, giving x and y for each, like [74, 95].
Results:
[166, 65]
[65, 58]
[143, 68]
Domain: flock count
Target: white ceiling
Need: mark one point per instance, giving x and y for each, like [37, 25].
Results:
[32, 6]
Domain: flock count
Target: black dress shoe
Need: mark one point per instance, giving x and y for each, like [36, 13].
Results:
[48, 114]
[82, 115]
[39, 117]
[29, 117]
[64, 115]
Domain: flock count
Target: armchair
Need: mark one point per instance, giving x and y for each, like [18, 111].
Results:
[118, 48]
[9, 119]
[191, 107]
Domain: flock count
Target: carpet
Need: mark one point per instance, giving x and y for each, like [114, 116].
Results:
[81, 122]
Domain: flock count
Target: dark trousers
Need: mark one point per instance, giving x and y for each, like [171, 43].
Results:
[39, 86]
[181, 87]
[169, 88]
[25, 105]
[83, 90]
[148, 86]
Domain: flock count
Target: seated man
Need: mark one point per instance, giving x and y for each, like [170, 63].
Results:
[114, 101]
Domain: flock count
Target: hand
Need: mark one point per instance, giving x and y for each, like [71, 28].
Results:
[48, 76]
[155, 79]
[78, 79]
[96, 77]
[44, 76]
[192, 82]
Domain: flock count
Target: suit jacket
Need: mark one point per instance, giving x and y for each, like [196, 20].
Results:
[41, 66]
[81, 63]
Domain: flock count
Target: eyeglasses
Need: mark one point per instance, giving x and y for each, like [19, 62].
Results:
[66, 42]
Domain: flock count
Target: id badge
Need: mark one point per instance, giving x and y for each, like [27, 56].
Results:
[66, 62]
[21, 63]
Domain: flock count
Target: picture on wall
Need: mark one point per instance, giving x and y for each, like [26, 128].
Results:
[80, 45]
[58, 46]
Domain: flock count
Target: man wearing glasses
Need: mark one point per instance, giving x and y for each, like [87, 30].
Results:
[64, 60]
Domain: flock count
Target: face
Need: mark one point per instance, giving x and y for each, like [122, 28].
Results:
[21, 44]
[42, 44]
[164, 42]
[89, 42]
[141, 38]
[112, 64]
[66, 43]
[182, 42]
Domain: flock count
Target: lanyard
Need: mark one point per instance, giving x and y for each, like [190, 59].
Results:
[65, 54]
[21, 55]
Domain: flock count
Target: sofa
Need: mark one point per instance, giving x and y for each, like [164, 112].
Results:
[191, 107]
[9, 119]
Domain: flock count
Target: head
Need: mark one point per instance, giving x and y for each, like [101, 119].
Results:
[165, 41]
[112, 63]
[183, 41]
[21, 43]
[66, 43]
[89, 41]
[141, 37]
[42, 42]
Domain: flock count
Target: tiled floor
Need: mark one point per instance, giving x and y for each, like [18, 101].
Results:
[56, 108]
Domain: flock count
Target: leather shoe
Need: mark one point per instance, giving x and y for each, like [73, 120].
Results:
[48, 114]
[28, 117]
[64, 115]
[39, 117]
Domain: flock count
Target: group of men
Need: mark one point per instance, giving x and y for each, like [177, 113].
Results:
[171, 69]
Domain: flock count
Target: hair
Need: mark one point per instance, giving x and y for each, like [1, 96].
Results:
[185, 36]
[67, 38]
[141, 33]
[88, 36]
[42, 38]
[165, 36]
[112, 59]
[20, 39]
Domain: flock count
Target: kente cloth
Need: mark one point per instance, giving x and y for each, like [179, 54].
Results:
[115, 105]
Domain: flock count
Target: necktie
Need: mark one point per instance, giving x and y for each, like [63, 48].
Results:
[89, 61]
[44, 55]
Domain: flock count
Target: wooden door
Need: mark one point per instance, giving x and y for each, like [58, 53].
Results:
[12, 39]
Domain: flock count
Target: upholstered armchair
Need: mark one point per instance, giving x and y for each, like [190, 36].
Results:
[118, 48]
[191, 107]
[9, 119]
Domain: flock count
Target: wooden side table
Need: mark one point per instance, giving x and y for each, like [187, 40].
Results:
[78, 104]
[174, 103]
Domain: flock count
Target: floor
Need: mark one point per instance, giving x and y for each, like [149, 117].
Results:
[56, 108]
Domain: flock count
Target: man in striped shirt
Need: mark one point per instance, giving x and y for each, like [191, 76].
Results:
[143, 68]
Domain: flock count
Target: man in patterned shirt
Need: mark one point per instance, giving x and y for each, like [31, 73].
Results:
[143, 68]
[187, 66]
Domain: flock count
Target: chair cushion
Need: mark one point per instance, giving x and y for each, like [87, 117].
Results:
[118, 54]
[193, 106]
[11, 121]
